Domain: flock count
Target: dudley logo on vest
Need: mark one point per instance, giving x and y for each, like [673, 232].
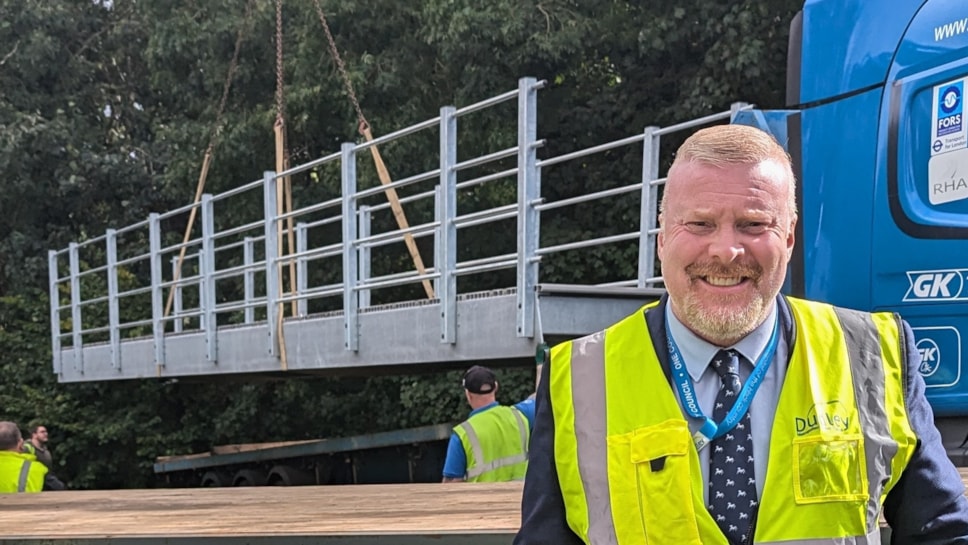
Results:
[831, 416]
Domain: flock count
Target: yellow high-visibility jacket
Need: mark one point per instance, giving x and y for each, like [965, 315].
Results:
[20, 472]
[495, 443]
[840, 441]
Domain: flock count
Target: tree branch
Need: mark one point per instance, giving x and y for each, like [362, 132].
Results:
[8, 55]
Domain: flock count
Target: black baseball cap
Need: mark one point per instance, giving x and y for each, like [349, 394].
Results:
[479, 380]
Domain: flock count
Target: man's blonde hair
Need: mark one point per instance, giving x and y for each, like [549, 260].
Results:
[722, 145]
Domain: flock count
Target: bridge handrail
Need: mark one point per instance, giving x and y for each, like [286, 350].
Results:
[234, 273]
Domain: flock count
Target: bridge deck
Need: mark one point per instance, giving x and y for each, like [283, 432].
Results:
[406, 335]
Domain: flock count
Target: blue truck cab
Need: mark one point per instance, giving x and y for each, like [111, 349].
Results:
[878, 132]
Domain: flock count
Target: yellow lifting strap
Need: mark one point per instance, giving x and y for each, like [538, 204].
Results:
[381, 169]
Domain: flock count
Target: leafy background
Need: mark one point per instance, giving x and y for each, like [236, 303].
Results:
[106, 108]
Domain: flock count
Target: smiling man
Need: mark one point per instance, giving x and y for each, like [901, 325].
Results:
[726, 412]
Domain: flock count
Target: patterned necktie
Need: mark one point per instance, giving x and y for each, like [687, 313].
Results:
[732, 485]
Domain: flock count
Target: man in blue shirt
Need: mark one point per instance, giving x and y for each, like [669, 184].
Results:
[492, 444]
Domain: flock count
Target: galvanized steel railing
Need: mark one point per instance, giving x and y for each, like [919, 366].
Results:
[252, 253]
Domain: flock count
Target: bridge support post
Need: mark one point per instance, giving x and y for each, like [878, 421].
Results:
[114, 321]
[364, 270]
[248, 282]
[176, 306]
[351, 299]
[302, 268]
[77, 326]
[157, 297]
[271, 261]
[529, 192]
[648, 219]
[445, 261]
[208, 279]
[53, 275]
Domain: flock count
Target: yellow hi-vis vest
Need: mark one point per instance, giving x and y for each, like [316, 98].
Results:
[20, 472]
[840, 440]
[495, 443]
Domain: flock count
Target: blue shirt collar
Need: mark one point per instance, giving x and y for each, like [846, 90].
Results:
[482, 409]
[698, 352]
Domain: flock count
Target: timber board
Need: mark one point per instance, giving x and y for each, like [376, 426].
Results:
[405, 514]
[409, 513]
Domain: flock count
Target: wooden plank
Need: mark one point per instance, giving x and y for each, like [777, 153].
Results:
[360, 510]
[173, 457]
[248, 447]
[418, 511]
[218, 450]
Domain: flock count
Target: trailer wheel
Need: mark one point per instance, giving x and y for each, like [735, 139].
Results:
[289, 476]
[249, 477]
[215, 479]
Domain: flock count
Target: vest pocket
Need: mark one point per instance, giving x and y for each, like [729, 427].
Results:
[830, 468]
[661, 457]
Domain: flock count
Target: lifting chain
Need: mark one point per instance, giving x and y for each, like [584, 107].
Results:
[364, 129]
[341, 66]
[280, 97]
[227, 86]
[283, 197]
[213, 139]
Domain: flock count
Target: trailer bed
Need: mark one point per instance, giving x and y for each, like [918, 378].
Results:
[395, 514]
[408, 514]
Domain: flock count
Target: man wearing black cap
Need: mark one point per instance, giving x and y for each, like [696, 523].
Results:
[492, 444]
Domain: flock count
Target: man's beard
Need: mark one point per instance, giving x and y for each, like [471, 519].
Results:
[728, 318]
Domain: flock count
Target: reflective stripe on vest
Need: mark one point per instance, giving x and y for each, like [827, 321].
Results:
[587, 371]
[475, 445]
[873, 538]
[596, 433]
[24, 474]
[863, 344]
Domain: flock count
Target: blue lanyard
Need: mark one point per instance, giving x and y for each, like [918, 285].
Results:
[687, 390]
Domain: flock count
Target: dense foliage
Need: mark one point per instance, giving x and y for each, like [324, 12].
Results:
[106, 108]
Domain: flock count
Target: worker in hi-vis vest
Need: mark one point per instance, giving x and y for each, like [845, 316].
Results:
[492, 444]
[36, 444]
[19, 471]
[726, 413]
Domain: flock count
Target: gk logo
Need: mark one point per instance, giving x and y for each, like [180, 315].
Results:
[935, 285]
[930, 356]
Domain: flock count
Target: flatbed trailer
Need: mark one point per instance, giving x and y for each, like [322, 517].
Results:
[393, 514]
[412, 455]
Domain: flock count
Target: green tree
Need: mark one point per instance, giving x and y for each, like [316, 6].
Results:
[106, 109]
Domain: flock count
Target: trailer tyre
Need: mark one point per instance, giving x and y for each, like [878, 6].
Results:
[289, 476]
[215, 479]
[249, 477]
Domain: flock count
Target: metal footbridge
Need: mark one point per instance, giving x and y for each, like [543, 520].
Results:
[340, 272]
